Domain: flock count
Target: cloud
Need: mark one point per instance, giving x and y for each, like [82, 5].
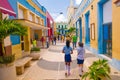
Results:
[78, 2]
[61, 18]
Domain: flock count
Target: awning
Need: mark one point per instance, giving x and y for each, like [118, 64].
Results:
[31, 24]
[6, 8]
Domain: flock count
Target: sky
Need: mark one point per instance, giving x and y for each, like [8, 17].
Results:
[54, 7]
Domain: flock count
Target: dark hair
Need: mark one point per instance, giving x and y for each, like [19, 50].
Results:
[80, 44]
[68, 43]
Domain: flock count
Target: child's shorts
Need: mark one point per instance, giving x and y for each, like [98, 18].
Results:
[80, 61]
[68, 58]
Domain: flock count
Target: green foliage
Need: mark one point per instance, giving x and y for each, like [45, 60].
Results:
[7, 59]
[35, 49]
[98, 70]
[8, 27]
[58, 33]
[71, 31]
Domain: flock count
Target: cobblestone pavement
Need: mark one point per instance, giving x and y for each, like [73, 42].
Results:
[51, 66]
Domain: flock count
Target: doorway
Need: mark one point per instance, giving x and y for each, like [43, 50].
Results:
[87, 28]
[107, 39]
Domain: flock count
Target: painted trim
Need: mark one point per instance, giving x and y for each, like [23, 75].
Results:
[100, 25]
[83, 5]
[7, 10]
[14, 4]
[80, 28]
[87, 20]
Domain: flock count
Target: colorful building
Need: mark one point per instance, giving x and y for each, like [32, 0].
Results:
[50, 25]
[33, 16]
[61, 28]
[98, 25]
[6, 11]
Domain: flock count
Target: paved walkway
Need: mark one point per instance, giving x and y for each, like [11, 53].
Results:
[51, 65]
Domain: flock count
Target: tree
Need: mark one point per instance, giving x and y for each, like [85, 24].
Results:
[71, 31]
[10, 27]
[98, 70]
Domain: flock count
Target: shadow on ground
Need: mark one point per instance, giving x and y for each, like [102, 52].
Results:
[54, 65]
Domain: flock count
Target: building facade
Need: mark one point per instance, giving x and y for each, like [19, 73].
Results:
[61, 28]
[33, 16]
[5, 11]
[50, 25]
[98, 27]
[70, 12]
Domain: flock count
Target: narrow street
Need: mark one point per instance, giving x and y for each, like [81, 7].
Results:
[51, 65]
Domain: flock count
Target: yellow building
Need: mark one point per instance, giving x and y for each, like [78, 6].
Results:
[32, 15]
[98, 25]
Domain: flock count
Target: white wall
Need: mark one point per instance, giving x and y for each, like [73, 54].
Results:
[107, 12]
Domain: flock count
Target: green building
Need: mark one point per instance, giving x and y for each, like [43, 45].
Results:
[61, 28]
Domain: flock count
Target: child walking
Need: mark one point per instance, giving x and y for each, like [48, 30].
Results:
[80, 57]
[67, 50]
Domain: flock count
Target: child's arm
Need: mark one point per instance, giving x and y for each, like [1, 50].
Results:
[63, 50]
[71, 51]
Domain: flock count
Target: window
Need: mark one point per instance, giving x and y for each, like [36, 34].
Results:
[31, 17]
[21, 13]
[62, 26]
[42, 22]
[65, 26]
[37, 20]
[58, 26]
[92, 31]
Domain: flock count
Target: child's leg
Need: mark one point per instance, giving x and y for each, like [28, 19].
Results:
[80, 69]
[66, 67]
[69, 68]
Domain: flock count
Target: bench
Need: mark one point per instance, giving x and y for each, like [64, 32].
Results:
[21, 64]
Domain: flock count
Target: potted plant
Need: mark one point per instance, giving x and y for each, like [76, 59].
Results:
[99, 70]
[35, 53]
[7, 28]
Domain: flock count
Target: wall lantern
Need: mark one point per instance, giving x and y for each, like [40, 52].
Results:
[117, 2]
[92, 7]
[82, 15]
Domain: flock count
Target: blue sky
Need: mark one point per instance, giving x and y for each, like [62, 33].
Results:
[54, 7]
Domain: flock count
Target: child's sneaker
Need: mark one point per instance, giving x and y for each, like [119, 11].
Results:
[80, 75]
[66, 74]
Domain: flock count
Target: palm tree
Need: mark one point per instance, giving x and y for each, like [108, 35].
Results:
[9, 27]
[98, 70]
[71, 31]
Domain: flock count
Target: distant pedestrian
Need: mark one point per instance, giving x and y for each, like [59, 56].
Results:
[34, 43]
[42, 40]
[67, 50]
[74, 41]
[63, 38]
[68, 38]
[80, 57]
[54, 40]
[47, 41]
[58, 37]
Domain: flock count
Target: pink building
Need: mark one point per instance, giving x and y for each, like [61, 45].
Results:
[50, 24]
